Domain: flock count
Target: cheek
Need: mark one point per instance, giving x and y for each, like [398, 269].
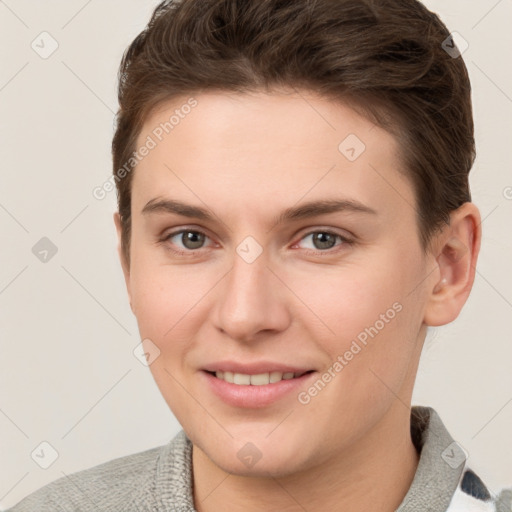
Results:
[164, 298]
[350, 298]
[365, 315]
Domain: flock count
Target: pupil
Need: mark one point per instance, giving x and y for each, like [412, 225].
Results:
[322, 239]
[192, 240]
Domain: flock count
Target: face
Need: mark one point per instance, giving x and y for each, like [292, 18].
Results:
[273, 236]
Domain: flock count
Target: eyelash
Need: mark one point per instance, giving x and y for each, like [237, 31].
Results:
[191, 252]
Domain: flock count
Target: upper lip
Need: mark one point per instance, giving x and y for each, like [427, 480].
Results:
[255, 368]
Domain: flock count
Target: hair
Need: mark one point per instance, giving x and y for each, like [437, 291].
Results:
[385, 59]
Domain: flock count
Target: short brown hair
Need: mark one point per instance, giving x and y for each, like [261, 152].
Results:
[383, 58]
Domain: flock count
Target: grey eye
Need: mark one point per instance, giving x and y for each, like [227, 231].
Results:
[322, 239]
[190, 239]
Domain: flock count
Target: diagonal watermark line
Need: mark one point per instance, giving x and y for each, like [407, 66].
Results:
[13, 423]
[486, 14]
[81, 491]
[436, 267]
[194, 305]
[81, 419]
[493, 287]
[76, 14]
[216, 487]
[197, 401]
[408, 407]
[87, 87]
[74, 218]
[492, 81]
[332, 332]
[308, 191]
[57, 505]
[10, 490]
[96, 300]
[395, 189]
[426, 277]
[489, 214]
[13, 13]
[282, 421]
[14, 76]
[207, 207]
[13, 279]
[14, 218]
[286, 491]
[478, 272]
[314, 108]
[492, 418]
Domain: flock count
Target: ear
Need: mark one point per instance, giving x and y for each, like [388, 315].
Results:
[456, 251]
[124, 264]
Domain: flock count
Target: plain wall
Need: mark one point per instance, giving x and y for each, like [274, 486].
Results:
[68, 375]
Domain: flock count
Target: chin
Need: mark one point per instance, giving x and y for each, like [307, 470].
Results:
[261, 456]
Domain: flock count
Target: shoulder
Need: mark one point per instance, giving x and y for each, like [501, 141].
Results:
[504, 500]
[443, 476]
[472, 495]
[103, 487]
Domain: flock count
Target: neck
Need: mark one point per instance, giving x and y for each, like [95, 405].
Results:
[373, 475]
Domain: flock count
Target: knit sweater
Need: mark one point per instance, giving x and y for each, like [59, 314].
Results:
[160, 479]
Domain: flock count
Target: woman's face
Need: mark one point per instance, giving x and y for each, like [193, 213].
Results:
[273, 234]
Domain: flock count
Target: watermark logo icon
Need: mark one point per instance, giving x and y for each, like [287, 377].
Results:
[454, 455]
[146, 352]
[44, 455]
[249, 249]
[44, 250]
[351, 147]
[44, 45]
[249, 454]
[455, 45]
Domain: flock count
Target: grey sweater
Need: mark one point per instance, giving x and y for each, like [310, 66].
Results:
[160, 479]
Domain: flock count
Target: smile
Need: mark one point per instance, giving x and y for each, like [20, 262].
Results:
[256, 390]
[259, 379]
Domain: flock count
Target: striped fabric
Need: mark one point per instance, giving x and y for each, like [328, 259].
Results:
[159, 480]
[472, 495]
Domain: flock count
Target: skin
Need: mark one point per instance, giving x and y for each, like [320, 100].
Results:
[248, 157]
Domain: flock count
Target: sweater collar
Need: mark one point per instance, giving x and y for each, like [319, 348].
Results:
[439, 469]
[440, 466]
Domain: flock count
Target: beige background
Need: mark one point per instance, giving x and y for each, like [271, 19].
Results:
[68, 375]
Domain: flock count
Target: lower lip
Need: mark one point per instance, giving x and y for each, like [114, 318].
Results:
[249, 396]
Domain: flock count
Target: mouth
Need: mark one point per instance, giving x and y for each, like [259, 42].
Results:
[258, 379]
[256, 390]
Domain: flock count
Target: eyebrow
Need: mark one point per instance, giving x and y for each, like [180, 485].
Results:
[303, 211]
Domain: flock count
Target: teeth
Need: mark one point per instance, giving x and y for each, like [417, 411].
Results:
[240, 378]
[275, 376]
[259, 379]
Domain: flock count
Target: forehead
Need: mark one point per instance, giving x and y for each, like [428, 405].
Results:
[248, 149]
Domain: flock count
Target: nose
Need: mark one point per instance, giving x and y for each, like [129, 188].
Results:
[251, 301]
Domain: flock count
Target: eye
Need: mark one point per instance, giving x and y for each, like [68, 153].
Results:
[324, 240]
[190, 240]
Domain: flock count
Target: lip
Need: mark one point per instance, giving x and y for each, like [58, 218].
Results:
[255, 368]
[255, 397]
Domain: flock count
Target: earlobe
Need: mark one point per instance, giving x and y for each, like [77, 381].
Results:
[458, 248]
